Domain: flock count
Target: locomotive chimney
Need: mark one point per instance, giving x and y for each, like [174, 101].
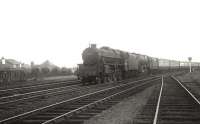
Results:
[93, 46]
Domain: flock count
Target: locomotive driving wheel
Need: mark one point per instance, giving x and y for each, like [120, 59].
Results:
[105, 79]
[83, 81]
[114, 78]
[98, 80]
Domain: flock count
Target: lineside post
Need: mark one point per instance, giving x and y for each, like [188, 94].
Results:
[190, 64]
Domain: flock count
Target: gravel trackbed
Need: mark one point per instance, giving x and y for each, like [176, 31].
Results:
[123, 112]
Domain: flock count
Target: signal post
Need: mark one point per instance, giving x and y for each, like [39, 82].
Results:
[190, 64]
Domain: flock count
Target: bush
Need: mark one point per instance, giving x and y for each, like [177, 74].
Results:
[35, 72]
[66, 71]
[45, 70]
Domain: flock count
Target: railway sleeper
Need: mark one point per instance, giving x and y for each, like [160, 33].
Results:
[145, 117]
[88, 113]
[178, 108]
[147, 121]
[187, 113]
[180, 122]
[179, 116]
[73, 121]
[74, 106]
[59, 111]
[48, 113]
[30, 121]
[176, 105]
[41, 117]
[81, 116]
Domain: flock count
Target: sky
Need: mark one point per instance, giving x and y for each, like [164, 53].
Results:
[59, 30]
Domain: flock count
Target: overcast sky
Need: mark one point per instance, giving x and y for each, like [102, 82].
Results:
[37, 30]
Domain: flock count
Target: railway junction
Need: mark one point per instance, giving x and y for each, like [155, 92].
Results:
[163, 99]
[111, 86]
[99, 62]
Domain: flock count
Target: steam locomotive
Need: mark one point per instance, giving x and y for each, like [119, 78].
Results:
[106, 64]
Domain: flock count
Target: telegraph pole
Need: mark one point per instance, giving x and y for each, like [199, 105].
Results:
[190, 64]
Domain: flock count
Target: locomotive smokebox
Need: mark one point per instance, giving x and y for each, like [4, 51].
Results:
[90, 55]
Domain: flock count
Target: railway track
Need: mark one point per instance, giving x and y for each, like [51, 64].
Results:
[193, 87]
[5, 101]
[80, 108]
[36, 87]
[35, 95]
[170, 103]
[11, 108]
